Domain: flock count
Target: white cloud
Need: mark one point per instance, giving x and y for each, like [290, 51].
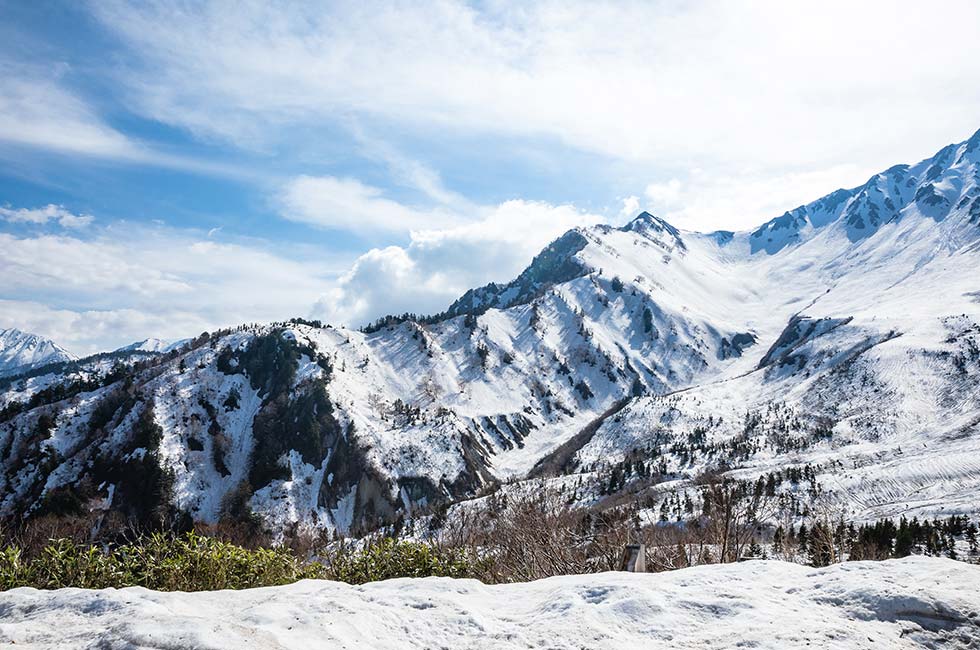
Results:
[745, 92]
[36, 110]
[439, 265]
[408, 172]
[50, 212]
[86, 331]
[770, 83]
[631, 206]
[130, 282]
[348, 204]
[707, 202]
[666, 194]
[723, 115]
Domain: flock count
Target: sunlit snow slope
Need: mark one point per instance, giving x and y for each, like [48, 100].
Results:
[21, 351]
[845, 334]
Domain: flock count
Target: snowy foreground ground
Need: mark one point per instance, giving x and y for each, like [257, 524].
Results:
[909, 603]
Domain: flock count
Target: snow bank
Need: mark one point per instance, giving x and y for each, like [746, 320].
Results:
[909, 603]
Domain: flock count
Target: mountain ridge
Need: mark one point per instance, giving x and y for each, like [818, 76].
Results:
[842, 330]
[21, 351]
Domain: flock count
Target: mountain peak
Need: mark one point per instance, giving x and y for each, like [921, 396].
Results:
[653, 227]
[21, 351]
[972, 146]
[553, 265]
[930, 188]
[647, 220]
[150, 345]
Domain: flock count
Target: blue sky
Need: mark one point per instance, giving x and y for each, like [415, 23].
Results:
[167, 168]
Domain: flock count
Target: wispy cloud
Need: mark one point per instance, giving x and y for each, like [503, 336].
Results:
[36, 110]
[50, 212]
[407, 171]
[712, 114]
[763, 82]
[348, 204]
[39, 110]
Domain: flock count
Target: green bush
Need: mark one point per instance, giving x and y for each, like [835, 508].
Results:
[159, 561]
[390, 558]
[197, 563]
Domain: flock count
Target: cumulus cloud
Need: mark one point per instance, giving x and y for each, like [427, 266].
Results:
[631, 206]
[127, 282]
[50, 212]
[685, 101]
[439, 265]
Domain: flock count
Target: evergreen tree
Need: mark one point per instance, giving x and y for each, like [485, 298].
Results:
[821, 553]
[777, 540]
[647, 320]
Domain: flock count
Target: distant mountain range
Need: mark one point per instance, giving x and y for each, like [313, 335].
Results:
[842, 336]
[22, 352]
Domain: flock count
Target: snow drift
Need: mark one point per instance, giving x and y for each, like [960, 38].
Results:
[915, 602]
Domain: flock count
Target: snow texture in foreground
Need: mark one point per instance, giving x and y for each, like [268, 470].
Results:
[909, 603]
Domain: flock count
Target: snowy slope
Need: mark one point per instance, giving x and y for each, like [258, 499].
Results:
[875, 377]
[845, 334]
[152, 345]
[20, 351]
[915, 602]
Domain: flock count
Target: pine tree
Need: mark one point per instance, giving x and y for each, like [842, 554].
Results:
[821, 553]
[777, 540]
[971, 536]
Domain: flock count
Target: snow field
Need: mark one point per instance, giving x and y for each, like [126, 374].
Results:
[916, 602]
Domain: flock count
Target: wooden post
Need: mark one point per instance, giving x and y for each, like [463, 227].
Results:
[635, 554]
[634, 559]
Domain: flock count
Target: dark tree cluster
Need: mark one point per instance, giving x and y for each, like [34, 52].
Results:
[823, 543]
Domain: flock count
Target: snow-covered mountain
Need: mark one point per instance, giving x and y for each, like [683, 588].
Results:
[21, 351]
[152, 345]
[844, 334]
